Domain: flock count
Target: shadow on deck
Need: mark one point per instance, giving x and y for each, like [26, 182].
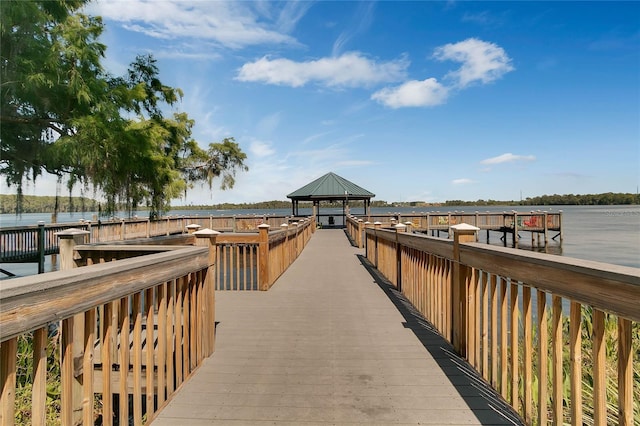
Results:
[483, 401]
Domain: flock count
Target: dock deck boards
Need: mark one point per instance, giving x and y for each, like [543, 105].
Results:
[330, 343]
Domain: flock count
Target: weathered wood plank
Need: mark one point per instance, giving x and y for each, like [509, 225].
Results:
[28, 303]
[608, 287]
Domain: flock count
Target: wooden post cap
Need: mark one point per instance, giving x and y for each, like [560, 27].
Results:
[401, 227]
[205, 233]
[263, 226]
[464, 228]
[71, 233]
[284, 225]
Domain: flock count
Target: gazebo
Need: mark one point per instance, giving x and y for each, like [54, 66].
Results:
[331, 188]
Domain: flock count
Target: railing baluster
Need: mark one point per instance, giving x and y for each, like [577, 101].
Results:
[527, 336]
[494, 331]
[599, 369]
[8, 355]
[558, 394]
[149, 346]
[123, 358]
[162, 342]
[543, 354]
[137, 358]
[485, 326]
[575, 353]
[625, 373]
[39, 396]
[513, 329]
[504, 350]
[106, 345]
[88, 367]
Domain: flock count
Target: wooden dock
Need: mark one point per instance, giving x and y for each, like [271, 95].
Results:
[541, 225]
[330, 343]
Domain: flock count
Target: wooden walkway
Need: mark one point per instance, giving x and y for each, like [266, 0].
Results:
[330, 343]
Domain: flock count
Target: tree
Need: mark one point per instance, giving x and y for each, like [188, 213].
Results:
[61, 113]
[50, 75]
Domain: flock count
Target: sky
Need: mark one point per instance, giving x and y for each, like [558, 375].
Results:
[413, 101]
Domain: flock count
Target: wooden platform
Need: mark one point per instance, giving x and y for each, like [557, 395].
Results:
[330, 343]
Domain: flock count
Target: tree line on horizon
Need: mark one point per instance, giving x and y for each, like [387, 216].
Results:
[51, 204]
[603, 199]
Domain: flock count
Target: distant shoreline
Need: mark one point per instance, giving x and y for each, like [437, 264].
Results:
[47, 204]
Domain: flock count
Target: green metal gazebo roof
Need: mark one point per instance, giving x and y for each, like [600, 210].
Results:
[330, 186]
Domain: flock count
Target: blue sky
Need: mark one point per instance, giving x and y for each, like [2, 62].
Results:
[418, 100]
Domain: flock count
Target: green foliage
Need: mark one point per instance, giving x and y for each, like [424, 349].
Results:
[61, 113]
[24, 379]
[611, 376]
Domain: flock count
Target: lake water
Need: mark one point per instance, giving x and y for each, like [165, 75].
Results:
[608, 234]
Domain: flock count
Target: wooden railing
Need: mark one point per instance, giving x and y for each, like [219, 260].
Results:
[559, 338]
[122, 325]
[109, 342]
[539, 223]
[249, 261]
[32, 243]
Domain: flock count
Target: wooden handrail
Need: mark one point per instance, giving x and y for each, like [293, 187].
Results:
[100, 313]
[137, 315]
[604, 286]
[28, 303]
[481, 298]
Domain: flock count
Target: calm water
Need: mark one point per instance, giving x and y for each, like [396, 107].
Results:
[608, 234]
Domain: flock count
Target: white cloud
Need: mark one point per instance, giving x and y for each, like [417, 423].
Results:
[351, 69]
[231, 24]
[261, 149]
[462, 181]
[481, 61]
[413, 93]
[508, 158]
[361, 22]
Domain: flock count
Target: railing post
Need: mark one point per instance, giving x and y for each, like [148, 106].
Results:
[409, 224]
[73, 335]
[69, 239]
[263, 257]
[376, 227]
[400, 228]
[193, 227]
[207, 238]
[560, 226]
[462, 233]
[288, 243]
[41, 247]
[366, 225]
[516, 238]
[360, 235]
